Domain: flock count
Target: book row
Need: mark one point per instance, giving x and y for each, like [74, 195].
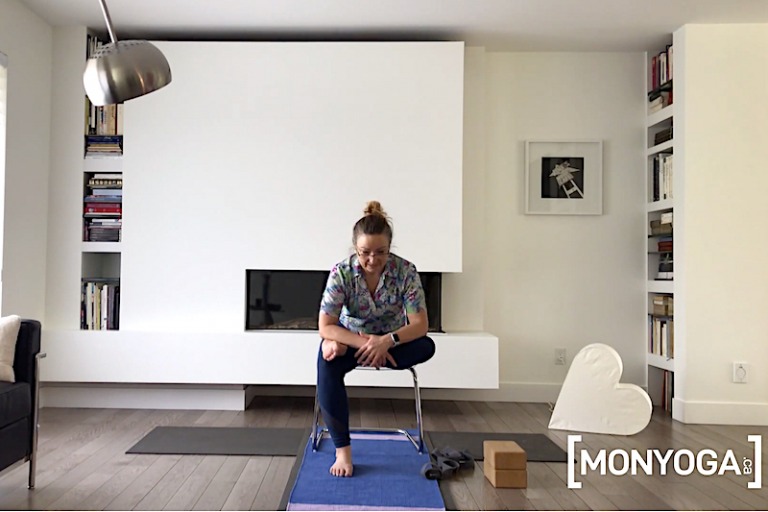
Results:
[666, 271]
[663, 305]
[661, 336]
[662, 225]
[100, 305]
[102, 230]
[107, 119]
[658, 100]
[662, 68]
[103, 208]
[667, 390]
[103, 145]
[662, 177]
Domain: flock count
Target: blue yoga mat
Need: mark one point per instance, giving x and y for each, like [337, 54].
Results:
[387, 476]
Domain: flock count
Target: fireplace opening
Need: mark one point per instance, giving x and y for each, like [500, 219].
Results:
[290, 299]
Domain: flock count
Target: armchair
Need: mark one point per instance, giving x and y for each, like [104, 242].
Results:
[19, 403]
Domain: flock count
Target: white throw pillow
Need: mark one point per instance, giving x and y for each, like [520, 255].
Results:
[9, 331]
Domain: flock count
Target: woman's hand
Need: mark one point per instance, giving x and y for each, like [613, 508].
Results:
[333, 349]
[375, 352]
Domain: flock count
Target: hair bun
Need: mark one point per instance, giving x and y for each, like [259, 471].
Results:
[374, 208]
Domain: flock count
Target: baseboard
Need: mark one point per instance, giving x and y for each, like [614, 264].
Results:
[507, 392]
[720, 413]
[143, 396]
[237, 398]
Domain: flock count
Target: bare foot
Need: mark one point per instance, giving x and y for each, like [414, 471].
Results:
[332, 349]
[343, 464]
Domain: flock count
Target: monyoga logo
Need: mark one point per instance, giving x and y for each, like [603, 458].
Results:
[681, 462]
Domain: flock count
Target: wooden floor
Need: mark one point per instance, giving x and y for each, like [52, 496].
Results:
[82, 463]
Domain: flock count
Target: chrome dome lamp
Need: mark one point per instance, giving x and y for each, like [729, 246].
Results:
[121, 70]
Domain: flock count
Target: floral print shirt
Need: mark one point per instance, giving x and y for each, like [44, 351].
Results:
[398, 294]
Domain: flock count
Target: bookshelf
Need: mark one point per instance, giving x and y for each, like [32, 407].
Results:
[101, 248]
[660, 288]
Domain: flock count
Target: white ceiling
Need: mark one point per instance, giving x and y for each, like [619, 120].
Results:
[511, 25]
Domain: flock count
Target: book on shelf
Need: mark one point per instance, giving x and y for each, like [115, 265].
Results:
[100, 305]
[662, 136]
[666, 266]
[657, 100]
[105, 183]
[103, 235]
[103, 207]
[659, 228]
[104, 120]
[100, 153]
[662, 177]
[103, 199]
[662, 68]
[667, 390]
[663, 305]
[662, 336]
[107, 192]
[104, 139]
[101, 145]
[102, 232]
[104, 224]
[101, 214]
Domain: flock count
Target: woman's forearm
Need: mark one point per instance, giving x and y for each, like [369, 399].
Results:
[342, 335]
[412, 331]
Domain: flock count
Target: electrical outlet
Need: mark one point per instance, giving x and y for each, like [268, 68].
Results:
[740, 373]
[560, 356]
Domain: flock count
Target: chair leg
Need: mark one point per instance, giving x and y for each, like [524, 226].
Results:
[317, 433]
[315, 424]
[32, 470]
[35, 424]
[419, 424]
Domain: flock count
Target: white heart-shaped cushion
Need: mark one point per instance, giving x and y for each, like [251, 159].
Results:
[593, 400]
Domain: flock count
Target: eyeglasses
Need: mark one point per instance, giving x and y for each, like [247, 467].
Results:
[365, 253]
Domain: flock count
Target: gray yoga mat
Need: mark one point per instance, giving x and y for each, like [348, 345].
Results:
[538, 447]
[222, 441]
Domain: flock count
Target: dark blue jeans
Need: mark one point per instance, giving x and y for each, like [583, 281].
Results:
[332, 393]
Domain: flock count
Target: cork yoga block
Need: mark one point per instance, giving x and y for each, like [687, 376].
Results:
[504, 455]
[506, 478]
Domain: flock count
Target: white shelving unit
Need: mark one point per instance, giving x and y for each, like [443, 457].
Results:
[659, 201]
[661, 287]
[661, 362]
[102, 247]
[103, 164]
[101, 260]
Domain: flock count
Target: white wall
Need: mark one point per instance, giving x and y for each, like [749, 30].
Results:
[463, 292]
[3, 87]
[62, 298]
[266, 160]
[26, 40]
[510, 284]
[723, 115]
[562, 281]
[517, 281]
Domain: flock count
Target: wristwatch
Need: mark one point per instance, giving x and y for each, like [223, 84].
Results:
[395, 339]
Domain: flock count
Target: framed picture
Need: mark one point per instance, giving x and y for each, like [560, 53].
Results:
[564, 178]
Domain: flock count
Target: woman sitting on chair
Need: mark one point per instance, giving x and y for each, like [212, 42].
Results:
[372, 314]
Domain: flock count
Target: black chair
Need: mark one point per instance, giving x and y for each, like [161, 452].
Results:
[19, 403]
